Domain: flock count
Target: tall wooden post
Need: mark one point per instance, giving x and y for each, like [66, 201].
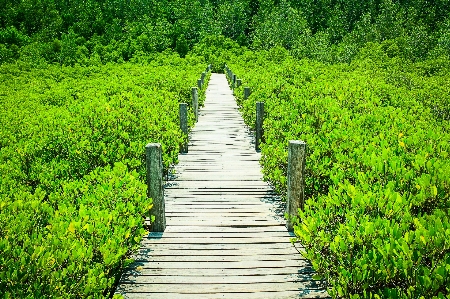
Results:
[199, 83]
[246, 92]
[259, 124]
[155, 188]
[295, 180]
[238, 82]
[184, 126]
[233, 80]
[195, 102]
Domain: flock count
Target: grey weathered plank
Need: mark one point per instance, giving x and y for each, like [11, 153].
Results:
[225, 234]
[225, 287]
[225, 229]
[245, 264]
[235, 279]
[306, 294]
[230, 252]
[134, 273]
[218, 258]
[236, 233]
[257, 247]
[206, 240]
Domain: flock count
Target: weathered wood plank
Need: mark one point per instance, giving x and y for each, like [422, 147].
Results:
[195, 273]
[231, 279]
[242, 233]
[255, 295]
[217, 258]
[156, 252]
[225, 229]
[225, 222]
[257, 247]
[200, 288]
[206, 240]
[220, 265]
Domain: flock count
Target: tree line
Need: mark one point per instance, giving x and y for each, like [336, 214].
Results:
[83, 31]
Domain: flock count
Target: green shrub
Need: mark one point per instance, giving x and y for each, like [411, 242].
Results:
[375, 224]
[72, 172]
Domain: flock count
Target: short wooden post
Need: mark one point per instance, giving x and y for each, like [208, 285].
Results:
[195, 102]
[203, 77]
[184, 126]
[295, 180]
[259, 124]
[238, 82]
[155, 188]
[234, 78]
[246, 92]
[199, 83]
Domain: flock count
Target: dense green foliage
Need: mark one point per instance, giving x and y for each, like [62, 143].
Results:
[376, 221]
[86, 31]
[72, 170]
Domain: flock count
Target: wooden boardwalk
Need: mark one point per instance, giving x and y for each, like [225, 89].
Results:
[225, 235]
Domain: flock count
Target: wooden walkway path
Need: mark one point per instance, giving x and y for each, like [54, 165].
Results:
[225, 235]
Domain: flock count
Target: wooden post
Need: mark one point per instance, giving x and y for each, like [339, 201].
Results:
[234, 81]
[184, 126]
[199, 83]
[246, 92]
[155, 188]
[203, 77]
[195, 102]
[295, 180]
[238, 82]
[259, 124]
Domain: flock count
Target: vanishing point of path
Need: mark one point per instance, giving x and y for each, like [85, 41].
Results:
[225, 234]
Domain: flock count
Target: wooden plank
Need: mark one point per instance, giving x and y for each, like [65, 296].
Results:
[218, 258]
[154, 251]
[212, 288]
[242, 233]
[225, 229]
[183, 204]
[189, 211]
[204, 215]
[215, 246]
[220, 265]
[232, 279]
[248, 185]
[307, 294]
[190, 240]
[225, 222]
[137, 270]
[221, 222]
